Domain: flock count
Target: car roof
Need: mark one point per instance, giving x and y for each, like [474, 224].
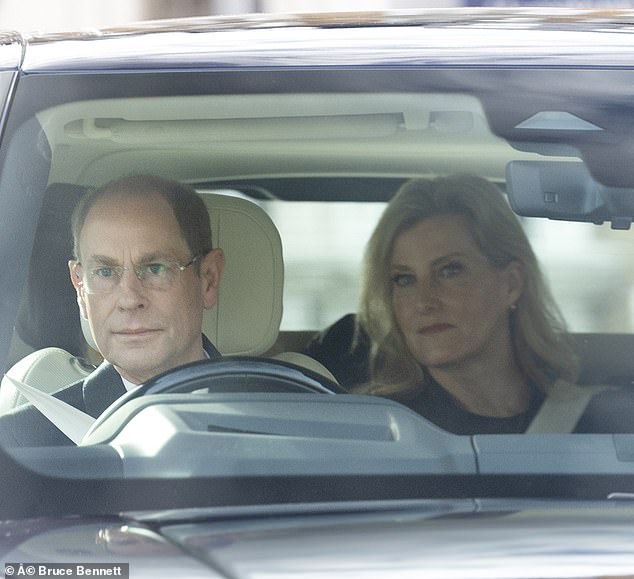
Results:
[473, 36]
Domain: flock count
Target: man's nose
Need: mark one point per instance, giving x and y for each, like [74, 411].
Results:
[131, 293]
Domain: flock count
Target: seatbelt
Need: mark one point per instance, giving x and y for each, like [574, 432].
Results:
[563, 407]
[70, 420]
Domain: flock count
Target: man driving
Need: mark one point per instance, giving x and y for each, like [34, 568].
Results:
[144, 271]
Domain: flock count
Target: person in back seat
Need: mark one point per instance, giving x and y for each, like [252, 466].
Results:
[144, 271]
[457, 323]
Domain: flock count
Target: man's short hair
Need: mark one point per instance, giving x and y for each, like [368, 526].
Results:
[189, 209]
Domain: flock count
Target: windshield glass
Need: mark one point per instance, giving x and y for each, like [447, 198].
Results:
[341, 311]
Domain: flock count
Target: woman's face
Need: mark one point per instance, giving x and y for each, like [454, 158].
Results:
[451, 305]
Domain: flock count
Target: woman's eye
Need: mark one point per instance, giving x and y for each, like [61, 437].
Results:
[156, 268]
[403, 279]
[450, 270]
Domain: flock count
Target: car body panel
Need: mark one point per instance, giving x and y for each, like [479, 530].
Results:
[457, 539]
[461, 38]
[106, 541]
[549, 541]
[11, 50]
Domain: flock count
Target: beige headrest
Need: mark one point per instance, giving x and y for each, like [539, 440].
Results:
[246, 318]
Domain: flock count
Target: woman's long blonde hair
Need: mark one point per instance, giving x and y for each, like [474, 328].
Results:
[543, 351]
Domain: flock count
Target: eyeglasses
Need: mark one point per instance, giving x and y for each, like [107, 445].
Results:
[157, 275]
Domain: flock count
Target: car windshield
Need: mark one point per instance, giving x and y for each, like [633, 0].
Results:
[301, 141]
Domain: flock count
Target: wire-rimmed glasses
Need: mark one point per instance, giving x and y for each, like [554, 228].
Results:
[154, 275]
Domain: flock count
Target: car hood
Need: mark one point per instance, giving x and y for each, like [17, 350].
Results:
[463, 538]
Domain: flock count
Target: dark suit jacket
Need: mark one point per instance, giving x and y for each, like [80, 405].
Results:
[27, 426]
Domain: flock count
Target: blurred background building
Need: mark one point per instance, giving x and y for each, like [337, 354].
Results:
[60, 15]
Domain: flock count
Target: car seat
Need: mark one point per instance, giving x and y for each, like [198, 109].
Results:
[245, 320]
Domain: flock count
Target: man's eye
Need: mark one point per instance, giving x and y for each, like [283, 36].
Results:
[104, 272]
[158, 269]
[403, 279]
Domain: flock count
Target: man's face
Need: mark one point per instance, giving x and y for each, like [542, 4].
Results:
[143, 331]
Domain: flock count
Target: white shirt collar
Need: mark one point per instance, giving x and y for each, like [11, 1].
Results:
[128, 385]
[131, 386]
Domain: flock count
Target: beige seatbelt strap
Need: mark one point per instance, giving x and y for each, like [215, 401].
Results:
[563, 407]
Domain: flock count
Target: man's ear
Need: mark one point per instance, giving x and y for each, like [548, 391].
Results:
[211, 268]
[75, 278]
[514, 277]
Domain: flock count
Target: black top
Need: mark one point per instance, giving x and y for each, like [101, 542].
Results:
[435, 404]
[344, 349]
[610, 411]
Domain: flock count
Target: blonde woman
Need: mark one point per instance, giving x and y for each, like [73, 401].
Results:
[462, 327]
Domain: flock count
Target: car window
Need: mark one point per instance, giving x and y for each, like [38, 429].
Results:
[321, 152]
[290, 151]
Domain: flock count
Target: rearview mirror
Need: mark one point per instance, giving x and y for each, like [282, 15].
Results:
[566, 190]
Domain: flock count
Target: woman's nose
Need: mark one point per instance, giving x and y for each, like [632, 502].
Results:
[427, 295]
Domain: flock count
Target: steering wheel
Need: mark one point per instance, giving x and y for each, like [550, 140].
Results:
[229, 374]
